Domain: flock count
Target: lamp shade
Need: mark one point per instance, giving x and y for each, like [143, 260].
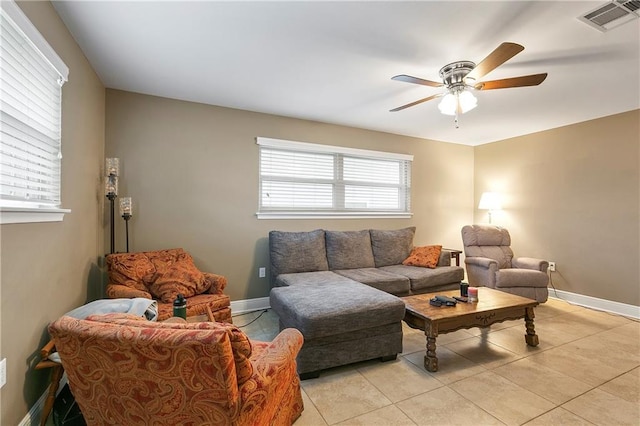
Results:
[112, 166]
[467, 101]
[463, 101]
[490, 201]
[448, 104]
[126, 206]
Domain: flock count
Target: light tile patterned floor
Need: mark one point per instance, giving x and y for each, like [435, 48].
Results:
[585, 371]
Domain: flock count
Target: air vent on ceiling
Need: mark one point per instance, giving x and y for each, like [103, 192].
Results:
[612, 14]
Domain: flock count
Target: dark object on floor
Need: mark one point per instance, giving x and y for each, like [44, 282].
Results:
[66, 411]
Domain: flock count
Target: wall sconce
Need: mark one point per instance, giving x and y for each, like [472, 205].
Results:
[112, 170]
[126, 211]
[490, 201]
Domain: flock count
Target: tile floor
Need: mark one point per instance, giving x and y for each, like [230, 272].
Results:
[585, 371]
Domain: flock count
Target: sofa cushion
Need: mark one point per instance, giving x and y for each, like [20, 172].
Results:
[391, 247]
[331, 309]
[311, 278]
[391, 283]
[349, 249]
[175, 273]
[293, 252]
[425, 256]
[129, 269]
[423, 279]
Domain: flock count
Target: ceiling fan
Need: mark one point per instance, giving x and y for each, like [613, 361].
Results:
[462, 76]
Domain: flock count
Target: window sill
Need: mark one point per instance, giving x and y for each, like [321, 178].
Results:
[333, 215]
[26, 215]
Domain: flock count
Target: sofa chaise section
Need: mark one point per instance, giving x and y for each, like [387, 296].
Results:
[341, 323]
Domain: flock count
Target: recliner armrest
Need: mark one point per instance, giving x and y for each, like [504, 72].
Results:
[530, 263]
[481, 261]
[117, 291]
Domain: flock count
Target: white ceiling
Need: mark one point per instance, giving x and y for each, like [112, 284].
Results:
[333, 61]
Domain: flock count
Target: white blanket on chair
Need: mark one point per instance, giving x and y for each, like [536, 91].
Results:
[136, 306]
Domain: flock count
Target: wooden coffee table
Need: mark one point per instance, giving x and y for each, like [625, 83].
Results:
[493, 306]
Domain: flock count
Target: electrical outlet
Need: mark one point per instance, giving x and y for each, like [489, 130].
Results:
[3, 372]
[262, 272]
[552, 266]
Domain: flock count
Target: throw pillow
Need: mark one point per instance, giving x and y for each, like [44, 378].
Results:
[129, 269]
[426, 257]
[175, 273]
[391, 247]
[349, 250]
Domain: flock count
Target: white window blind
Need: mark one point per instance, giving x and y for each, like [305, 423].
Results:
[31, 79]
[301, 180]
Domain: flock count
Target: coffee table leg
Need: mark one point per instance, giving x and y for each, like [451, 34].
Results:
[531, 337]
[431, 360]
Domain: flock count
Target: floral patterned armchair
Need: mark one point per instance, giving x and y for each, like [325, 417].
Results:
[124, 370]
[161, 275]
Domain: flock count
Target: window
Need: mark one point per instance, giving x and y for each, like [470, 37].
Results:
[31, 79]
[308, 180]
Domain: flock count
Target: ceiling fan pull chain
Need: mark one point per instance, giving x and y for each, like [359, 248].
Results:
[455, 120]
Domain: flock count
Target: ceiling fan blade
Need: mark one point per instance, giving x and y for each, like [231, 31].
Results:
[502, 54]
[416, 80]
[526, 80]
[416, 102]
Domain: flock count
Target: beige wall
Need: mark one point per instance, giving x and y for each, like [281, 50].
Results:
[49, 268]
[192, 171]
[571, 195]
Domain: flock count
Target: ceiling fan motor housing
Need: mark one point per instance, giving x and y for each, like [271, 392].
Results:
[453, 74]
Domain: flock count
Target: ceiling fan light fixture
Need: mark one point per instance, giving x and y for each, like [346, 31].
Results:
[449, 104]
[453, 102]
[467, 101]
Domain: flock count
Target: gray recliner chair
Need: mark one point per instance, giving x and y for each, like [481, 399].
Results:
[490, 263]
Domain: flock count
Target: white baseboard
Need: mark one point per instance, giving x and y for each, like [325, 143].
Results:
[248, 305]
[33, 416]
[623, 309]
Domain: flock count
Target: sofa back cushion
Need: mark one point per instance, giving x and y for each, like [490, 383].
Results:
[391, 247]
[293, 252]
[349, 250]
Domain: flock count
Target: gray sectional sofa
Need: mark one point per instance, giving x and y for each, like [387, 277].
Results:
[340, 288]
[372, 257]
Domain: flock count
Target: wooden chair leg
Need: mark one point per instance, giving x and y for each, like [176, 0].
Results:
[210, 315]
[56, 375]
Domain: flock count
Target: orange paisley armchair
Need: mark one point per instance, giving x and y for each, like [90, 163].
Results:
[163, 274]
[124, 370]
